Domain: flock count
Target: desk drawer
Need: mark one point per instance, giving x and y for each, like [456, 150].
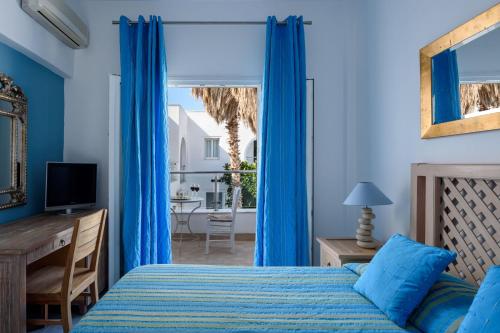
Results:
[48, 248]
[62, 241]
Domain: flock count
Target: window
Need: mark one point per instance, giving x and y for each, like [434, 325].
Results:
[212, 148]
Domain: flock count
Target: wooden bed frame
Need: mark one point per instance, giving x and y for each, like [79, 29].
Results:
[458, 207]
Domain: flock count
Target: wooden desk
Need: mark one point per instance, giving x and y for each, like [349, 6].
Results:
[23, 242]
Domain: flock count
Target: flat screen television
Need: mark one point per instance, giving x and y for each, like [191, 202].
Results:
[70, 186]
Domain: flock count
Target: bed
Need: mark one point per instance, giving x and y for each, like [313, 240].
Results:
[453, 206]
[187, 298]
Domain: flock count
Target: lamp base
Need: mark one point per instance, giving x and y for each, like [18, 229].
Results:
[364, 232]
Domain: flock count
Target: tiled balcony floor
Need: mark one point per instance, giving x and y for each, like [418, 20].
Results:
[193, 252]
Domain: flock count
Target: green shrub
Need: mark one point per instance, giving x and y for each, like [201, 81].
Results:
[248, 186]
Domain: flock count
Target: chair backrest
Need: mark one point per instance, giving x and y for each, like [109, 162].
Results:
[86, 240]
[236, 201]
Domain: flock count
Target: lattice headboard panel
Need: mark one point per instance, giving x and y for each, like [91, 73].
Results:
[470, 217]
[458, 207]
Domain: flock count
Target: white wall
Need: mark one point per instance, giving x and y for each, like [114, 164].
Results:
[174, 137]
[245, 222]
[202, 126]
[194, 127]
[389, 114]
[19, 31]
[227, 52]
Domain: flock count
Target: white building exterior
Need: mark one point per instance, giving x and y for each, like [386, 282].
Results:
[188, 132]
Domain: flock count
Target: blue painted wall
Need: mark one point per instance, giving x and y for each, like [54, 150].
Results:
[45, 92]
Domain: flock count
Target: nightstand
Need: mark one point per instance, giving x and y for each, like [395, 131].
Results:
[336, 252]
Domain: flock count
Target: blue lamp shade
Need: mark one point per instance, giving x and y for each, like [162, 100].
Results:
[366, 194]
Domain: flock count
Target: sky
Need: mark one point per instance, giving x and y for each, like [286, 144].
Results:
[183, 97]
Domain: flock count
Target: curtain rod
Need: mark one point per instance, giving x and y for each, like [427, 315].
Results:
[214, 22]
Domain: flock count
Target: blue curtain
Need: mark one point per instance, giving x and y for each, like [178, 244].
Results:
[146, 218]
[282, 228]
[445, 87]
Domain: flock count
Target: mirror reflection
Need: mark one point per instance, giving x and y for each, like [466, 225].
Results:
[5, 156]
[466, 78]
[13, 133]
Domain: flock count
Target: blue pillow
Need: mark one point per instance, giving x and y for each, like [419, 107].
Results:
[445, 306]
[484, 313]
[400, 275]
[356, 267]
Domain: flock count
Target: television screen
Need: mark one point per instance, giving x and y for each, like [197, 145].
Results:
[70, 185]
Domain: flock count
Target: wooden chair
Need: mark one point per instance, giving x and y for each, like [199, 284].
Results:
[222, 225]
[63, 281]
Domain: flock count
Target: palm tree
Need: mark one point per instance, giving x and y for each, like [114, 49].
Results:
[229, 106]
[479, 96]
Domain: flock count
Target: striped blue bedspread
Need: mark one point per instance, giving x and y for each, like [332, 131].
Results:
[187, 298]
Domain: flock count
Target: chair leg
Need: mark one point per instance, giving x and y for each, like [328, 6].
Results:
[207, 241]
[66, 316]
[46, 311]
[233, 247]
[94, 292]
[82, 307]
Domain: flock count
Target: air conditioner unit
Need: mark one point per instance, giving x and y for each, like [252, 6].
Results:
[57, 17]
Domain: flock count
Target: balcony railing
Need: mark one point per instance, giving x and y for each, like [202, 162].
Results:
[214, 188]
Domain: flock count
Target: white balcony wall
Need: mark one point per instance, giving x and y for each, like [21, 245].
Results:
[245, 222]
[193, 127]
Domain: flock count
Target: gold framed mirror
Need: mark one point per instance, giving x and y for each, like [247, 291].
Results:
[460, 79]
[13, 144]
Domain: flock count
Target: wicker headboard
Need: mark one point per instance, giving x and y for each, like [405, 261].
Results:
[458, 207]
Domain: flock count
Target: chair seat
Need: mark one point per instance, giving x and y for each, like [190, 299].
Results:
[45, 284]
[222, 225]
[220, 217]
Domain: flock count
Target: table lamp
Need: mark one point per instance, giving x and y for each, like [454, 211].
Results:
[366, 194]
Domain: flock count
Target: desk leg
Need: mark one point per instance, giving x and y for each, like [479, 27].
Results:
[13, 293]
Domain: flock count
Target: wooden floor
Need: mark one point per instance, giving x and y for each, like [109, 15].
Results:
[193, 252]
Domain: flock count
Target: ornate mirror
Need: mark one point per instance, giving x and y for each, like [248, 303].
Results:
[460, 79]
[13, 128]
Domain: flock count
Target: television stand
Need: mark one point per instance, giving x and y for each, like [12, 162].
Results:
[71, 211]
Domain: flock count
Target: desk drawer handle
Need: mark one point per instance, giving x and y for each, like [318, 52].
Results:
[62, 242]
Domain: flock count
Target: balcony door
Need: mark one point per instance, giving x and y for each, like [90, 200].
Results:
[114, 171]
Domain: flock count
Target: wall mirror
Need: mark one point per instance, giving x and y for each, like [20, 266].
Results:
[13, 132]
[460, 79]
